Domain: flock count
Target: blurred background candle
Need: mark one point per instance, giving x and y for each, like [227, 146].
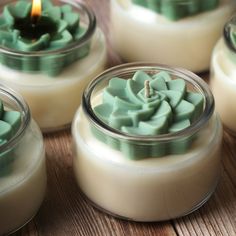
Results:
[49, 56]
[178, 33]
[223, 76]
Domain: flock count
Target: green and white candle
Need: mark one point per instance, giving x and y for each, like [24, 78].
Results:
[144, 138]
[49, 57]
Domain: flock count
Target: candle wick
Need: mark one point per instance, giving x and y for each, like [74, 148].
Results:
[147, 88]
[35, 19]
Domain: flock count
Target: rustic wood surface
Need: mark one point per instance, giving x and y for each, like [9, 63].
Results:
[65, 212]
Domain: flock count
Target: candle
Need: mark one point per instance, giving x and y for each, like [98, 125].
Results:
[168, 32]
[50, 55]
[22, 163]
[222, 79]
[141, 157]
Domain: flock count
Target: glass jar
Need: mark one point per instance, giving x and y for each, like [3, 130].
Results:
[147, 189]
[181, 35]
[222, 78]
[22, 168]
[52, 81]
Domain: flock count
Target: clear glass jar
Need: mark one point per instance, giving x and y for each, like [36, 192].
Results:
[22, 168]
[48, 80]
[149, 189]
[141, 34]
[222, 77]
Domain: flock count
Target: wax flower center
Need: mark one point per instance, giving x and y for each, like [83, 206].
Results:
[32, 31]
[148, 105]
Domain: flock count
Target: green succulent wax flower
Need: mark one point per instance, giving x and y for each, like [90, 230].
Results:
[168, 108]
[178, 9]
[9, 124]
[56, 28]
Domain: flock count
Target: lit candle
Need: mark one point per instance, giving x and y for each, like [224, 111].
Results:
[223, 76]
[155, 31]
[141, 157]
[49, 52]
[35, 29]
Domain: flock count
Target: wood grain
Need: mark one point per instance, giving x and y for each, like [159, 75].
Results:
[66, 212]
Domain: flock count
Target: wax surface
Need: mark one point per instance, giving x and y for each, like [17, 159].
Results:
[169, 108]
[177, 9]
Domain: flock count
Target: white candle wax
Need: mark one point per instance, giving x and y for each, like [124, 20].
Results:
[151, 189]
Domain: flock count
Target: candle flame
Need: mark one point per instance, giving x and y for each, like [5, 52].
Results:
[36, 9]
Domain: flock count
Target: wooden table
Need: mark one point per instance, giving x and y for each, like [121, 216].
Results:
[65, 212]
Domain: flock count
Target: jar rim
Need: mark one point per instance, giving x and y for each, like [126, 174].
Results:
[72, 46]
[188, 76]
[25, 117]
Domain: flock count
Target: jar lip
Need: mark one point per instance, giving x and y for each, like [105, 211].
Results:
[188, 76]
[25, 116]
[73, 46]
[226, 33]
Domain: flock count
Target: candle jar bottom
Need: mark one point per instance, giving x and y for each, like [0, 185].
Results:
[53, 101]
[195, 208]
[22, 226]
[154, 189]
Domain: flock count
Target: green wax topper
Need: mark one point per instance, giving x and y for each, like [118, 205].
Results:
[9, 124]
[151, 106]
[56, 28]
[177, 9]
